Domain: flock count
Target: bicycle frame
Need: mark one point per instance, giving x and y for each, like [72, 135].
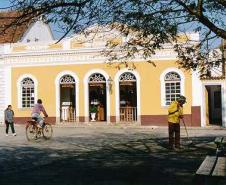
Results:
[36, 132]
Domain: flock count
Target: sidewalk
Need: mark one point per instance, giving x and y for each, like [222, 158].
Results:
[120, 125]
[130, 125]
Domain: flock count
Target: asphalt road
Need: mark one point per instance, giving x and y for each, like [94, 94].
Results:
[103, 156]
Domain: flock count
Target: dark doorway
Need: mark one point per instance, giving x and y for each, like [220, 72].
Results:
[97, 97]
[213, 104]
[67, 99]
[128, 97]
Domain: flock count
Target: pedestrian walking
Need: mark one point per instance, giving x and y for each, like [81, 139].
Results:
[175, 113]
[9, 120]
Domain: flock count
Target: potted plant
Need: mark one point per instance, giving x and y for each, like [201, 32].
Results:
[93, 111]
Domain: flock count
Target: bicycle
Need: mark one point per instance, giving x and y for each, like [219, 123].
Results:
[33, 132]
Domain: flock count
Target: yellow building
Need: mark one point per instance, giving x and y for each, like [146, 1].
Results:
[71, 77]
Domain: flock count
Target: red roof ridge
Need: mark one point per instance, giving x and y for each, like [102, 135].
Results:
[12, 31]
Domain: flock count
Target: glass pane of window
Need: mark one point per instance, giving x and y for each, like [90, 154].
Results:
[172, 89]
[27, 86]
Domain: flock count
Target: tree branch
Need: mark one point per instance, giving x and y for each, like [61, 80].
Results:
[200, 7]
[222, 2]
[72, 26]
[204, 20]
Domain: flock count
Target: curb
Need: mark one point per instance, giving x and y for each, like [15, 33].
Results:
[122, 126]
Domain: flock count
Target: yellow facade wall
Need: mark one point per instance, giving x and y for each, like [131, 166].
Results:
[150, 86]
[56, 46]
[76, 44]
[19, 48]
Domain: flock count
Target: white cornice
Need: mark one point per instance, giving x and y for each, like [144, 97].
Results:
[53, 52]
[73, 56]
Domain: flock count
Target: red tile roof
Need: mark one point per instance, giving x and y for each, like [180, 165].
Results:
[13, 33]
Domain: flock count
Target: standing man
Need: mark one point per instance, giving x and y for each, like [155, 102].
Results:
[9, 120]
[175, 113]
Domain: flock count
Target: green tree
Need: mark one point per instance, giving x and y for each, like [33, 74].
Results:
[148, 23]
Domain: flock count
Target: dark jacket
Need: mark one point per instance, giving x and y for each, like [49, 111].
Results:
[9, 114]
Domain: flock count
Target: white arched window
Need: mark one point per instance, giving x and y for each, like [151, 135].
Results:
[27, 93]
[172, 81]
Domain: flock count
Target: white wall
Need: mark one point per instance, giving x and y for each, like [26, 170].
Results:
[196, 89]
[38, 32]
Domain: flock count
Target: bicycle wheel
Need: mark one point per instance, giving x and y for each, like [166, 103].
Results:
[47, 131]
[31, 132]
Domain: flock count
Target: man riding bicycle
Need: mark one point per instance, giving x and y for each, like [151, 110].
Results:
[36, 113]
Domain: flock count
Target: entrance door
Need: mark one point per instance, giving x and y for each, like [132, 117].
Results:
[213, 104]
[128, 97]
[67, 99]
[97, 98]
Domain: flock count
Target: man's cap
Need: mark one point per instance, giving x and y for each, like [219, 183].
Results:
[39, 101]
[182, 98]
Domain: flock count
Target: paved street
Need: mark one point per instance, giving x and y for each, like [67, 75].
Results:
[103, 156]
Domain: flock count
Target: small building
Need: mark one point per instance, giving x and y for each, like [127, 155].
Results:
[73, 79]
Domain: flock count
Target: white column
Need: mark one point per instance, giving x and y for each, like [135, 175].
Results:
[5, 90]
[2, 95]
[223, 95]
[196, 89]
[197, 94]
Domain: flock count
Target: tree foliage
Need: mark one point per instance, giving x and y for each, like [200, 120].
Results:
[148, 24]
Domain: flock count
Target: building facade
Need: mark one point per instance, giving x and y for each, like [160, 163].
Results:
[74, 80]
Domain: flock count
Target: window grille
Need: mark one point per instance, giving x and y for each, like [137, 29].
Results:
[97, 78]
[172, 87]
[67, 79]
[28, 94]
[127, 77]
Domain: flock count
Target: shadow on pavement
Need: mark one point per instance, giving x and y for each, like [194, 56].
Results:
[137, 162]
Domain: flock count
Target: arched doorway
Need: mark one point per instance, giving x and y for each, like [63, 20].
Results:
[128, 97]
[97, 97]
[67, 99]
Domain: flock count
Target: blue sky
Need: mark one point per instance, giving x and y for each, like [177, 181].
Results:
[4, 3]
[57, 35]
